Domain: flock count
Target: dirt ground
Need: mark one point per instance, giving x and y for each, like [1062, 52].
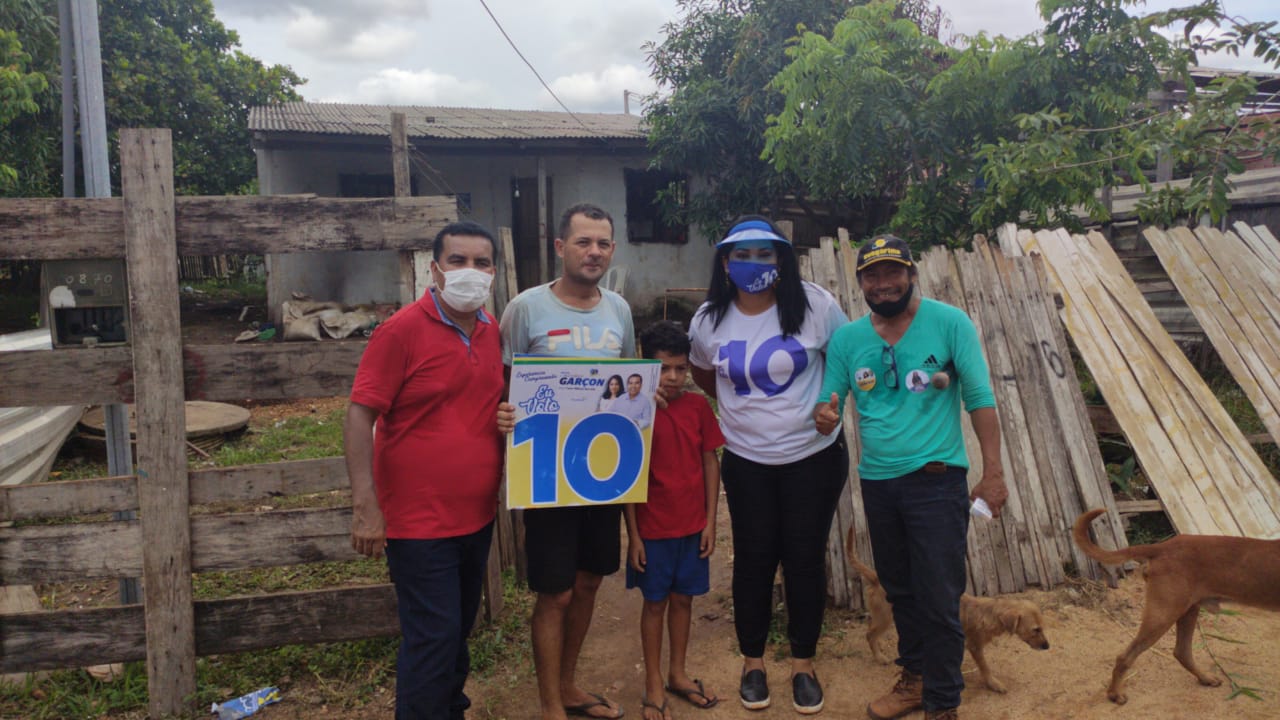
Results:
[1087, 625]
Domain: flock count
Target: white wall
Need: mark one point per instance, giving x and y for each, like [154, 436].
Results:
[372, 276]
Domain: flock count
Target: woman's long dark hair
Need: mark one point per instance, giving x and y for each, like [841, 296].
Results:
[622, 387]
[793, 303]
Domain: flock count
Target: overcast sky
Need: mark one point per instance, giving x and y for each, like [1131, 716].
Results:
[449, 52]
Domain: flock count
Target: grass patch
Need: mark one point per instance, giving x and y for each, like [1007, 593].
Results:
[504, 643]
[312, 576]
[66, 694]
[233, 288]
[295, 438]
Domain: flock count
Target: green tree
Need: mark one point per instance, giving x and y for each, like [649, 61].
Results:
[714, 67]
[29, 141]
[18, 90]
[1028, 129]
[166, 63]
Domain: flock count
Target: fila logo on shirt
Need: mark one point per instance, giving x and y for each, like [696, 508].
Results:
[579, 338]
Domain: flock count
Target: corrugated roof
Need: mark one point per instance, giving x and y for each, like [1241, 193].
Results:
[442, 123]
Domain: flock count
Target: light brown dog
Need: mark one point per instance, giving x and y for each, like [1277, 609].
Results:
[983, 619]
[1184, 573]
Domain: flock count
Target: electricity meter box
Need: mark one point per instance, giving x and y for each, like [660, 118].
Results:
[86, 301]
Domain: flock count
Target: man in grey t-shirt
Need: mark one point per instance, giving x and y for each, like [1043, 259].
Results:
[569, 549]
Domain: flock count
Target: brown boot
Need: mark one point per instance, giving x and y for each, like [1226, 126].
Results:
[948, 714]
[906, 696]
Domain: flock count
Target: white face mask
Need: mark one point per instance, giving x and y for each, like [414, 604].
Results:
[466, 290]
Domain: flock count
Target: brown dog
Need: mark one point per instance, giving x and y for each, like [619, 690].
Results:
[984, 619]
[1182, 574]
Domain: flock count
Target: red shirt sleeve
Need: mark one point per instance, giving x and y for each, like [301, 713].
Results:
[381, 371]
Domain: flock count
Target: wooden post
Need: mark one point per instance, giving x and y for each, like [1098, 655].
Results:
[544, 242]
[146, 169]
[403, 188]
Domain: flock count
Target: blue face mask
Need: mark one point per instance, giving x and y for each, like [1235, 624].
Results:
[753, 277]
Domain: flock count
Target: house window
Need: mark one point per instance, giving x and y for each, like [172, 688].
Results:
[367, 185]
[644, 218]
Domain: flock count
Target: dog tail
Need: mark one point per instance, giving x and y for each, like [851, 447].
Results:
[1080, 533]
[851, 555]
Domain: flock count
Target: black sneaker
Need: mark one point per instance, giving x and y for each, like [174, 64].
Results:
[806, 693]
[754, 690]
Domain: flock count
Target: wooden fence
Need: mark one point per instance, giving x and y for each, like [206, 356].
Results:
[150, 229]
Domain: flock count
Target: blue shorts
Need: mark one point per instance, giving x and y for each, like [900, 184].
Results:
[672, 566]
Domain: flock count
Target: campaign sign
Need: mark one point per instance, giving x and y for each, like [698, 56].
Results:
[583, 431]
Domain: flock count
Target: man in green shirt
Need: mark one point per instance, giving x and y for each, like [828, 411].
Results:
[913, 466]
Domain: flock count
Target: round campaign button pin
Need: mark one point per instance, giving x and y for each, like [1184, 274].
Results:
[865, 378]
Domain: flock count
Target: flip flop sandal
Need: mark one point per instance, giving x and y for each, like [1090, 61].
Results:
[662, 709]
[584, 710]
[688, 695]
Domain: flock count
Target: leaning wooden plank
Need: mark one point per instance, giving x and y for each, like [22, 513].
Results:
[1237, 288]
[840, 586]
[815, 270]
[1261, 283]
[74, 638]
[1111, 371]
[1261, 242]
[1007, 234]
[146, 162]
[1267, 268]
[40, 229]
[1156, 373]
[850, 513]
[267, 371]
[1064, 390]
[1225, 316]
[982, 295]
[1251, 494]
[1042, 430]
[1199, 428]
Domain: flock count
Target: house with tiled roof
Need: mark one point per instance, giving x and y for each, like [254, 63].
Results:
[505, 168]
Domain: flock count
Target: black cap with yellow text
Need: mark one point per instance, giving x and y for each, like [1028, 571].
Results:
[884, 247]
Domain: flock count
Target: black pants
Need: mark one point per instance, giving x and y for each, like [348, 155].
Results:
[918, 524]
[438, 591]
[782, 513]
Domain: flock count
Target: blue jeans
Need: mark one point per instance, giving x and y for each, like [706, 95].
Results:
[438, 591]
[918, 524]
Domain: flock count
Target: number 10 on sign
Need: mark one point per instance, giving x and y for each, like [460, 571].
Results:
[597, 459]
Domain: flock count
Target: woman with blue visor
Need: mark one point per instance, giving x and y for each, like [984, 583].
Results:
[758, 345]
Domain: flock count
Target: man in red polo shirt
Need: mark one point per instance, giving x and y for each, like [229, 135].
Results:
[425, 488]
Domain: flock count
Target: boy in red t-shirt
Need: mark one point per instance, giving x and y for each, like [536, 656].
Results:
[671, 537]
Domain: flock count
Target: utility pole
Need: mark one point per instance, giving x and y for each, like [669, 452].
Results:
[83, 21]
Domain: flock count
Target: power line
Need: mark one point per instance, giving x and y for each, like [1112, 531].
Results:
[533, 69]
